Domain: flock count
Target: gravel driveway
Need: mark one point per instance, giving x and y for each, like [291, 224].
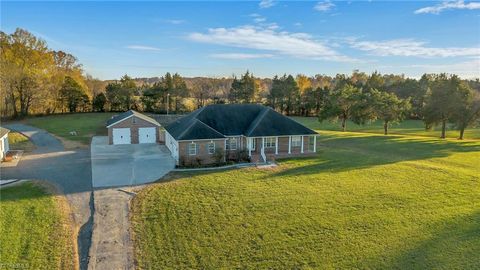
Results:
[69, 170]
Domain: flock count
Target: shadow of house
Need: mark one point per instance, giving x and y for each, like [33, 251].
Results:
[455, 244]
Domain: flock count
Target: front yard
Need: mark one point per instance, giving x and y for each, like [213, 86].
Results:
[35, 229]
[366, 201]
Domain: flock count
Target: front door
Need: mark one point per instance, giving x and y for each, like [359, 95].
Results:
[251, 143]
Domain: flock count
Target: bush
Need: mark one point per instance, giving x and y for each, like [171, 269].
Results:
[242, 156]
[198, 162]
[219, 156]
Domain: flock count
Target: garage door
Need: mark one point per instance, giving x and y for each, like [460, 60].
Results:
[121, 136]
[147, 135]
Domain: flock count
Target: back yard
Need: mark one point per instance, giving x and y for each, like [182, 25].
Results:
[366, 201]
[85, 124]
[35, 229]
[90, 124]
[407, 127]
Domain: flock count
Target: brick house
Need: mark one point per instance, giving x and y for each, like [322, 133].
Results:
[132, 127]
[258, 131]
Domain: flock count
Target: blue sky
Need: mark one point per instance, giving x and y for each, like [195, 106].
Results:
[218, 39]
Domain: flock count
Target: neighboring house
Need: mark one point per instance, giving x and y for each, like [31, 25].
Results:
[261, 132]
[132, 127]
[4, 146]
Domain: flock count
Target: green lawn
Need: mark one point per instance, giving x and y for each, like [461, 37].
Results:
[408, 127]
[365, 202]
[34, 230]
[85, 124]
[89, 124]
[18, 141]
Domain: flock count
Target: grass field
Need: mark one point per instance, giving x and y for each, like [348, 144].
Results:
[366, 201]
[18, 141]
[85, 124]
[34, 230]
[408, 127]
[89, 124]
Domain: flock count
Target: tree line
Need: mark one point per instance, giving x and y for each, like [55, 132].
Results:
[37, 80]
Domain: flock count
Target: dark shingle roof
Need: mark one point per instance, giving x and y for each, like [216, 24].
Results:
[4, 131]
[220, 120]
[122, 116]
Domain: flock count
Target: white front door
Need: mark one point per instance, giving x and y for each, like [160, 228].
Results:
[147, 135]
[121, 136]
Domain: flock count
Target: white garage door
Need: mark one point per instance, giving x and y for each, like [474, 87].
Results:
[121, 136]
[147, 135]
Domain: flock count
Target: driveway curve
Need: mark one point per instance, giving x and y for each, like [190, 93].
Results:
[69, 170]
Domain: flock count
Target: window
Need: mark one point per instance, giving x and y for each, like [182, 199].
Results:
[192, 149]
[311, 143]
[134, 120]
[211, 147]
[270, 142]
[296, 141]
[232, 144]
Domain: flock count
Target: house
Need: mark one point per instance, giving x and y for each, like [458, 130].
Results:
[261, 132]
[132, 127]
[4, 146]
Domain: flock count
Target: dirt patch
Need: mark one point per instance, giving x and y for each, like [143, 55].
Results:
[111, 243]
[70, 145]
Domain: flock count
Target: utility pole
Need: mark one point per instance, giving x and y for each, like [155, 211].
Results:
[168, 102]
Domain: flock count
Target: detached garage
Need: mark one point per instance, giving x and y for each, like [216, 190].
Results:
[131, 128]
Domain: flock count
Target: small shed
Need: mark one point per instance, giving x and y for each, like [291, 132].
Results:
[132, 127]
[4, 146]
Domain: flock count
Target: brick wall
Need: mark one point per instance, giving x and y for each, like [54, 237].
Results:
[206, 158]
[202, 151]
[134, 123]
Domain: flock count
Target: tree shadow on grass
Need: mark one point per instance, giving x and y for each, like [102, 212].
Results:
[339, 153]
[454, 245]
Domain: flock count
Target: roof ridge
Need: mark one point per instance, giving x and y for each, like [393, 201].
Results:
[187, 129]
[210, 127]
[257, 120]
[199, 111]
[145, 117]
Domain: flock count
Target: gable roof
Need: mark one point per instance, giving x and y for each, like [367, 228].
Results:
[221, 120]
[272, 123]
[4, 131]
[128, 114]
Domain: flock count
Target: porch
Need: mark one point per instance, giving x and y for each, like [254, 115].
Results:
[263, 149]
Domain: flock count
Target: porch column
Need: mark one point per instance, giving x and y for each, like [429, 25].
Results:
[225, 151]
[301, 149]
[289, 144]
[249, 145]
[315, 143]
[276, 145]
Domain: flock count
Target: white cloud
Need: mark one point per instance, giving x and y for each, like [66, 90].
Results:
[446, 5]
[240, 56]
[257, 18]
[266, 3]
[172, 21]
[142, 48]
[299, 45]
[324, 6]
[262, 22]
[410, 47]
